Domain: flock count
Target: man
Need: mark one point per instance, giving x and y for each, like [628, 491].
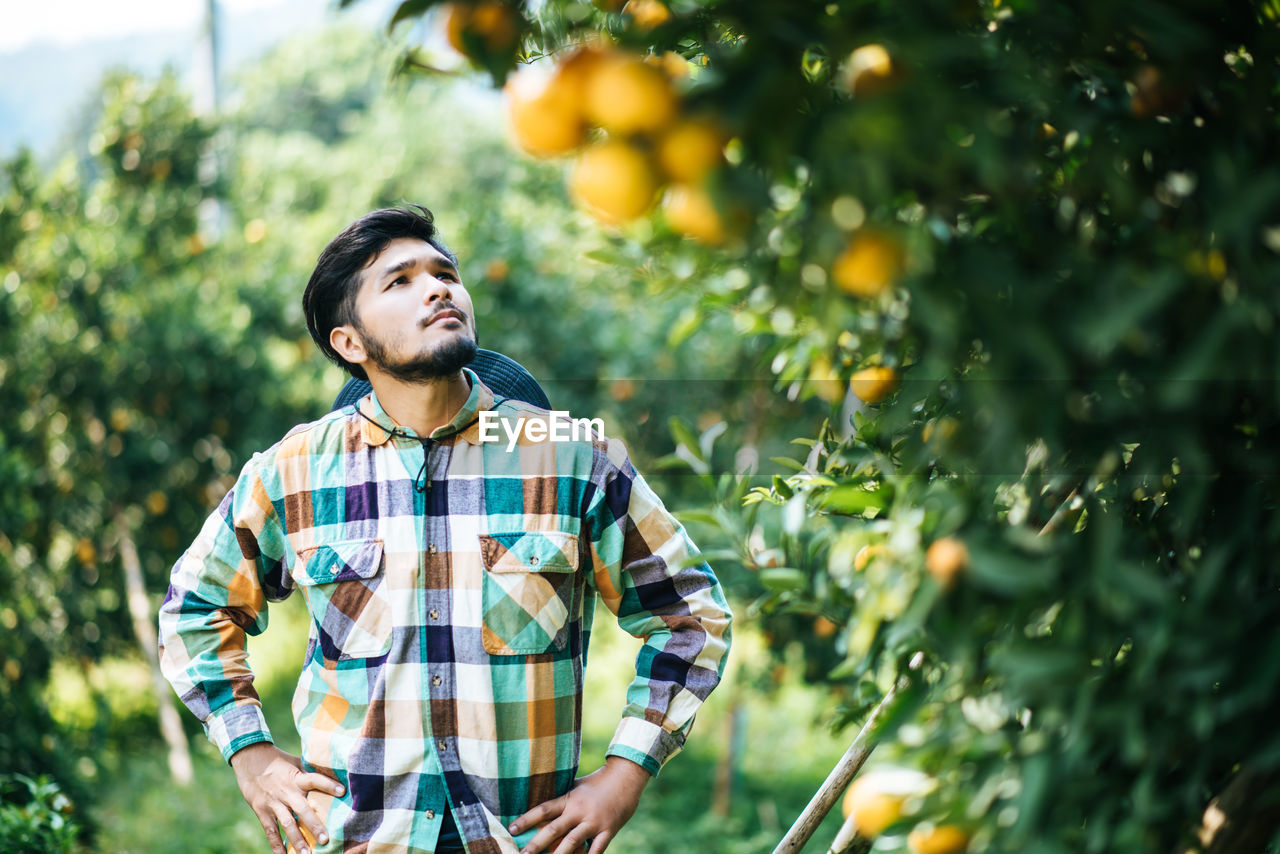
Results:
[451, 583]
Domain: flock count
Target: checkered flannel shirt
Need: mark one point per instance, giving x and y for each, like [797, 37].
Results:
[449, 626]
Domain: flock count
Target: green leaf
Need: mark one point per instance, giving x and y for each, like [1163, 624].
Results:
[851, 499]
[783, 579]
[686, 324]
[684, 435]
[409, 9]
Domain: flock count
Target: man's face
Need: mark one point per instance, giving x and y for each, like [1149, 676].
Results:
[413, 318]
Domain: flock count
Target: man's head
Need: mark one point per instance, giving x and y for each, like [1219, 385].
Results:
[386, 294]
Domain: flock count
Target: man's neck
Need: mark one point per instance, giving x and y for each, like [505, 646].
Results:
[421, 406]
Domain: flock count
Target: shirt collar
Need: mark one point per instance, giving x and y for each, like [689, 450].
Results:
[377, 426]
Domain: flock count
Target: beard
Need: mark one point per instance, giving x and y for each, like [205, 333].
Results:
[445, 360]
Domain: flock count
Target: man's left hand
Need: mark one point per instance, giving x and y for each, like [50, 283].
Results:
[596, 808]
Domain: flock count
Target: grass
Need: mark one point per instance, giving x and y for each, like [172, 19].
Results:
[782, 755]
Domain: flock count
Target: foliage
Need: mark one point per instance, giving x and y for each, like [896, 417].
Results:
[1051, 230]
[41, 821]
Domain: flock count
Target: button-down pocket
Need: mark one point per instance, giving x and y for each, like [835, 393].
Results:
[344, 584]
[528, 591]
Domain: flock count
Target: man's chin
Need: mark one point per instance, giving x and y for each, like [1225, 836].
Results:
[442, 362]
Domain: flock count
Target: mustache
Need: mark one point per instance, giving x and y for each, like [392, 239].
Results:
[444, 306]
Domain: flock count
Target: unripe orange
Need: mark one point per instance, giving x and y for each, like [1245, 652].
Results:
[691, 149]
[825, 379]
[545, 116]
[946, 559]
[942, 839]
[873, 385]
[614, 181]
[868, 266]
[488, 22]
[627, 95]
[690, 210]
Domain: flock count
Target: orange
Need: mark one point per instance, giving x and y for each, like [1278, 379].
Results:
[868, 266]
[489, 23]
[545, 115]
[690, 210]
[625, 95]
[870, 70]
[691, 149]
[946, 559]
[874, 801]
[614, 181]
[942, 839]
[647, 14]
[873, 385]
[824, 628]
[672, 63]
[85, 551]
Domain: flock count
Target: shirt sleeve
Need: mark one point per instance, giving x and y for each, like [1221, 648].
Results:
[650, 575]
[217, 595]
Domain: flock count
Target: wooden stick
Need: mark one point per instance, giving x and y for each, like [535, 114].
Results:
[834, 785]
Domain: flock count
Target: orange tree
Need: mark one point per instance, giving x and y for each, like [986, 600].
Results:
[1028, 251]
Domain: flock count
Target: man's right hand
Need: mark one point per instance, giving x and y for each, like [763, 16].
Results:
[275, 786]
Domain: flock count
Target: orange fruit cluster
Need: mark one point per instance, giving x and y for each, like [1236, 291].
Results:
[649, 141]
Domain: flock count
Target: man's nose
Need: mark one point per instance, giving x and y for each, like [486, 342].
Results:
[436, 289]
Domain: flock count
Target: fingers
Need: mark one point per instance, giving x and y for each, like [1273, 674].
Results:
[573, 840]
[546, 837]
[285, 816]
[268, 821]
[320, 783]
[309, 821]
[601, 842]
[542, 812]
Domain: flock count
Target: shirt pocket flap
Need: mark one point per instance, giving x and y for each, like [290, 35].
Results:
[530, 551]
[347, 560]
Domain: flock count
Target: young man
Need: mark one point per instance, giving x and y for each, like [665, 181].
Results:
[451, 582]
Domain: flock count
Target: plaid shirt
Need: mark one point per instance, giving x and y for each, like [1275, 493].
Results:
[449, 625]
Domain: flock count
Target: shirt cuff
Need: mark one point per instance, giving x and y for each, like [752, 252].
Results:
[234, 727]
[644, 743]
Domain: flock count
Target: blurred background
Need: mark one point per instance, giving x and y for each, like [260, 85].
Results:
[948, 329]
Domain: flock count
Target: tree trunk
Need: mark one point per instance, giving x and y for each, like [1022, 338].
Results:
[143, 616]
[1243, 818]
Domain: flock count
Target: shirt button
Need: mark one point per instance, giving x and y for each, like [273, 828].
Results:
[431, 549]
[434, 614]
[431, 814]
[442, 745]
[533, 561]
[436, 681]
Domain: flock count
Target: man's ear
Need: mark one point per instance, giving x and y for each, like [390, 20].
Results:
[345, 340]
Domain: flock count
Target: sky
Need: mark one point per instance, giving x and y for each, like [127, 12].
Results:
[67, 22]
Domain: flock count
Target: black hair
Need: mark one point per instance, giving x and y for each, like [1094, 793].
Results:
[330, 298]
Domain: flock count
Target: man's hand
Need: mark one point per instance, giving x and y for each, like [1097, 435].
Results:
[598, 805]
[275, 786]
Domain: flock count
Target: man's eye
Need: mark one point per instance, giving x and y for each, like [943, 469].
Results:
[400, 280]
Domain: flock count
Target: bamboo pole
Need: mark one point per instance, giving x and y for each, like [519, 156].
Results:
[835, 784]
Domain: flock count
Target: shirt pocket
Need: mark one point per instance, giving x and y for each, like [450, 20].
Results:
[345, 587]
[527, 594]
